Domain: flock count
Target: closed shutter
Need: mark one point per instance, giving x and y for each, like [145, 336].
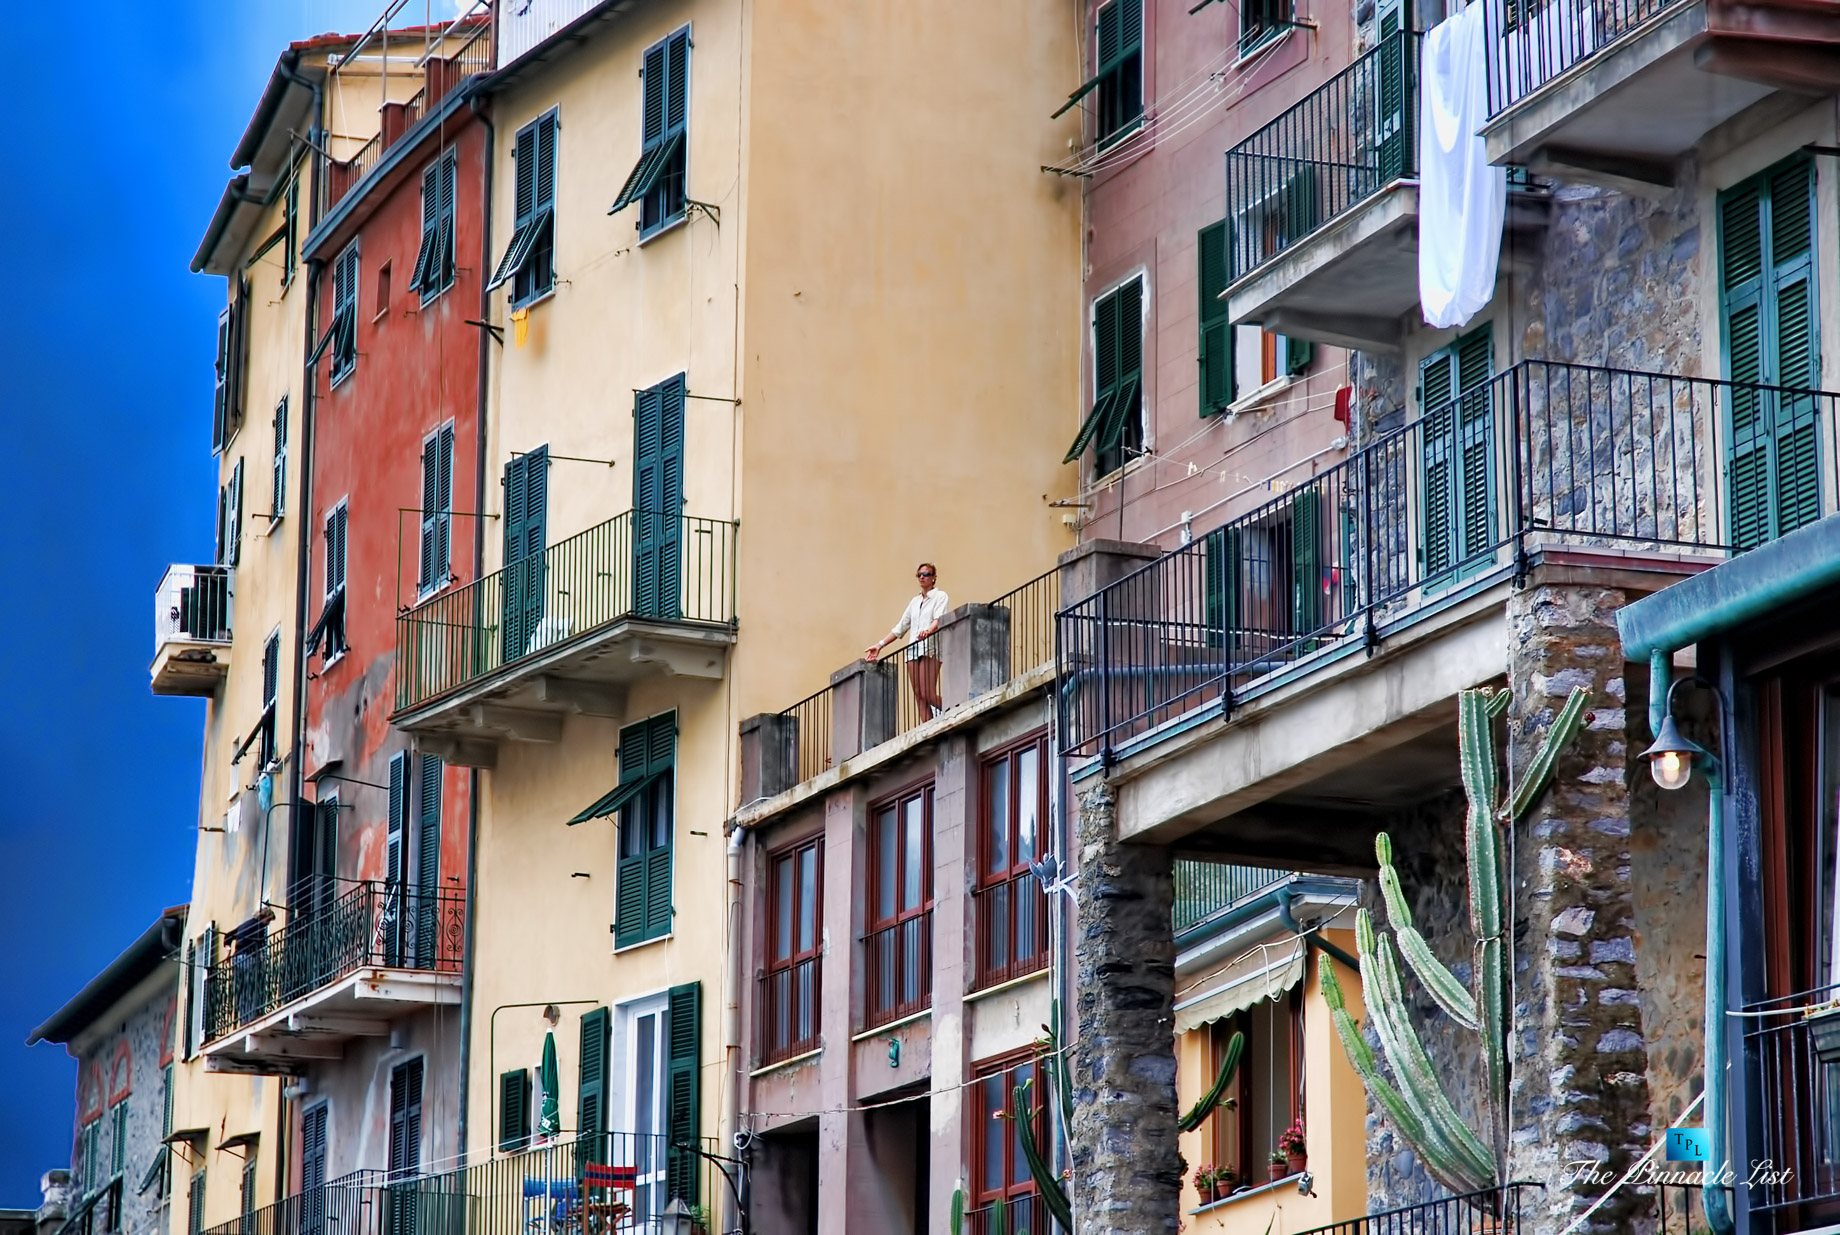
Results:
[278, 492]
[1436, 390]
[1306, 561]
[194, 1205]
[194, 1008]
[642, 891]
[591, 1109]
[1457, 407]
[405, 1118]
[1393, 121]
[685, 1111]
[1221, 556]
[425, 575]
[1217, 385]
[1769, 309]
[444, 505]
[426, 914]
[233, 534]
[658, 498]
[1476, 421]
[526, 514]
[513, 1110]
[313, 1171]
[393, 858]
[220, 397]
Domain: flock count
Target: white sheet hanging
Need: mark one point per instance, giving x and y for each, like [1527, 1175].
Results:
[1462, 200]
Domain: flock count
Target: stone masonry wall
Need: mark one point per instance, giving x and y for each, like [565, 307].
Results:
[1127, 1169]
[1578, 1054]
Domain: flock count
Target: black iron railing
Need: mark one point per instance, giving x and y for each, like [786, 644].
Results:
[1797, 1097]
[1025, 1212]
[348, 926]
[1342, 143]
[639, 564]
[787, 1008]
[898, 970]
[1031, 614]
[1010, 924]
[1542, 454]
[563, 1188]
[1206, 888]
[1495, 1211]
[1534, 41]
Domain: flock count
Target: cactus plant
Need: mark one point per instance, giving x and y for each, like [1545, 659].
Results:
[1417, 1106]
[958, 1210]
[1204, 1106]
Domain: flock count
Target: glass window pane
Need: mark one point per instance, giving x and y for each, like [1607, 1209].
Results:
[808, 899]
[993, 1134]
[644, 1046]
[1028, 801]
[996, 796]
[913, 857]
[1019, 1165]
[661, 812]
[887, 852]
[632, 829]
[782, 936]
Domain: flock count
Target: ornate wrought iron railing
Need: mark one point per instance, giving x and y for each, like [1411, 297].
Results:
[1342, 143]
[351, 926]
[1543, 454]
[639, 564]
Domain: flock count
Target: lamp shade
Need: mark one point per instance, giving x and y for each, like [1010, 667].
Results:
[1671, 756]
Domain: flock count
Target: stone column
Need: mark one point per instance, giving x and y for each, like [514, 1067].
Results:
[974, 652]
[1127, 1170]
[1578, 1054]
[862, 707]
[769, 755]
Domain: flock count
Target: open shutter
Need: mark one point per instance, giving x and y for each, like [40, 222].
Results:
[233, 535]
[658, 489]
[443, 263]
[630, 878]
[393, 858]
[220, 405]
[431, 453]
[1216, 332]
[426, 914]
[1797, 364]
[1128, 349]
[422, 278]
[661, 760]
[194, 1004]
[1436, 389]
[685, 1111]
[513, 1110]
[1306, 561]
[591, 1110]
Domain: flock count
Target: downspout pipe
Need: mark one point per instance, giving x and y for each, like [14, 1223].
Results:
[1312, 937]
[730, 1122]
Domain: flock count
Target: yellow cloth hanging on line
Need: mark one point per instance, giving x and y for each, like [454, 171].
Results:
[520, 326]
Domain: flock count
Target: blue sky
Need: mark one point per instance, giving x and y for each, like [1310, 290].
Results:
[108, 175]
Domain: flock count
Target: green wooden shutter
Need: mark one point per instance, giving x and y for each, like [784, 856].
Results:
[1392, 131]
[1476, 460]
[545, 179]
[685, 1110]
[393, 892]
[421, 279]
[427, 916]
[677, 92]
[220, 399]
[234, 542]
[194, 1204]
[513, 1110]
[526, 516]
[1438, 448]
[444, 505]
[444, 238]
[524, 195]
[656, 80]
[591, 1110]
[658, 498]
[1306, 561]
[642, 891]
[630, 877]
[1217, 374]
[1221, 557]
[431, 451]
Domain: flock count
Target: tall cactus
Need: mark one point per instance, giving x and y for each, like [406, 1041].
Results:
[1417, 1106]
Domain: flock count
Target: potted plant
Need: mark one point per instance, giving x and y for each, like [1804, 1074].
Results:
[1225, 1180]
[1205, 1175]
[1276, 1167]
[1824, 1030]
[1291, 1144]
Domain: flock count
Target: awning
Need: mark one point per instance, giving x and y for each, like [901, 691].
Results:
[612, 802]
[188, 1135]
[238, 1141]
[1263, 973]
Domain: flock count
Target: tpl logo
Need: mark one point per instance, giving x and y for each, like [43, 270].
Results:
[1688, 1145]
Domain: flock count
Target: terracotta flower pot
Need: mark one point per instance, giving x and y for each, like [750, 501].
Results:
[1222, 1188]
[1297, 1163]
[1277, 1170]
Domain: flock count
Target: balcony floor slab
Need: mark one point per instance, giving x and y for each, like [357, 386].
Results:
[189, 667]
[317, 1025]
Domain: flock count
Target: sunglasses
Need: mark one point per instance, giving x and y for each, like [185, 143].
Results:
[925, 574]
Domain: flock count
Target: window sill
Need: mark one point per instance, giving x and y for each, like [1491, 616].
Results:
[807, 1057]
[1125, 134]
[897, 1023]
[676, 221]
[985, 992]
[1247, 402]
[326, 664]
[339, 379]
[643, 943]
[1265, 43]
[535, 300]
[1245, 1193]
[424, 301]
[1117, 474]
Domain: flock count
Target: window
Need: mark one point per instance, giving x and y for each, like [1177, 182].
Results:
[645, 1101]
[999, 1170]
[424, 906]
[230, 518]
[1115, 427]
[1012, 912]
[291, 243]
[405, 1118]
[342, 335]
[277, 505]
[434, 260]
[201, 955]
[247, 1201]
[194, 1204]
[791, 989]
[395, 941]
[437, 510]
[232, 356]
[1267, 1088]
[642, 883]
[1457, 455]
[313, 1171]
[1262, 356]
[1218, 387]
[529, 260]
[514, 1111]
[526, 518]
[92, 1155]
[118, 1137]
[383, 291]
[330, 629]
[898, 951]
[657, 181]
[1770, 331]
[271, 686]
[1260, 20]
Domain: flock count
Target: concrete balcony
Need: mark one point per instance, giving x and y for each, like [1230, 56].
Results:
[191, 629]
[506, 657]
[355, 957]
[1613, 92]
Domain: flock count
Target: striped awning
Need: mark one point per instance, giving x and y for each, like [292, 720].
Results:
[1265, 972]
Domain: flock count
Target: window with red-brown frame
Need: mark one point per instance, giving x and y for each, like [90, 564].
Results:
[1267, 1089]
[1011, 927]
[999, 1172]
[898, 948]
[790, 994]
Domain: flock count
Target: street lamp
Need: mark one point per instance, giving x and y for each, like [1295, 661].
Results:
[676, 1219]
[1671, 756]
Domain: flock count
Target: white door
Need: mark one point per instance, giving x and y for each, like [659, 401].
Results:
[644, 1077]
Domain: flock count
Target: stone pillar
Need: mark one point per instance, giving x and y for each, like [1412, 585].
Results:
[1091, 565]
[974, 652]
[1578, 1055]
[769, 755]
[862, 707]
[1127, 1169]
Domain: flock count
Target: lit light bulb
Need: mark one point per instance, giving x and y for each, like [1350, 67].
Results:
[1671, 769]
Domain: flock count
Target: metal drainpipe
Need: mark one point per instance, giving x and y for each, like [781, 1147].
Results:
[731, 1004]
[1718, 1207]
[479, 555]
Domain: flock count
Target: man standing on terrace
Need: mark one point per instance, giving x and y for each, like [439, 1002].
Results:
[922, 617]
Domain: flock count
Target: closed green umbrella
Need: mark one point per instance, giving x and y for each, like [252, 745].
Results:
[549, 1118]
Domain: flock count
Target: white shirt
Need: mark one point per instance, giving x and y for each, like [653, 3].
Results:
[922, 612]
